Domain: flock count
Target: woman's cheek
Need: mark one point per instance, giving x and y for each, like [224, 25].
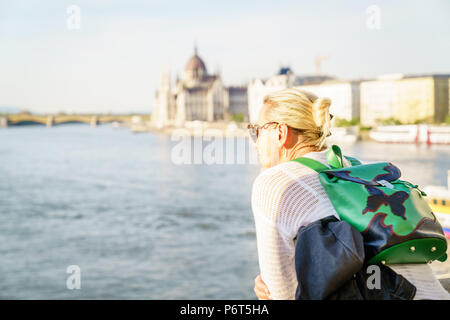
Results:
[268, 151]
[262, 157]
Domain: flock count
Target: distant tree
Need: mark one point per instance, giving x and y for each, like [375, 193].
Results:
[341, 122]
[390, 122]
[447, 120]
[424, 120]
[418, 121]
[238, 117]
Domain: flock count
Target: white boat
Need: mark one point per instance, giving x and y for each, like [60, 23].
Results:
[422, 133]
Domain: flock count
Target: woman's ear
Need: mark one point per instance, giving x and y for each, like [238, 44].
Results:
[272, 147]
[283, 134]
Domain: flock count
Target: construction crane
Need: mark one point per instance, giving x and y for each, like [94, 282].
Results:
[318, 60]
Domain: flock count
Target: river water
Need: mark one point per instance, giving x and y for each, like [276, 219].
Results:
[138, 225]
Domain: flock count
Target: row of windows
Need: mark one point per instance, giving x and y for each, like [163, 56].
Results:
[442, 202]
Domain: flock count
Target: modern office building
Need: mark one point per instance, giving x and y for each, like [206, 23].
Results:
[408, 99]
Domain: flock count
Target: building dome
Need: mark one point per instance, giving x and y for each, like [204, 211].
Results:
[195, 68]
[195, 64]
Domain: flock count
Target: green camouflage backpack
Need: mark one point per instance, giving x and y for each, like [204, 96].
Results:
[395, 220]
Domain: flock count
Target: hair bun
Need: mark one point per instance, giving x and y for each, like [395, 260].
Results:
[321, 111]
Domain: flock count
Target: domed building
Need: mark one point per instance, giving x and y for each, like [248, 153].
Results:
[195, 69]
[196, 96]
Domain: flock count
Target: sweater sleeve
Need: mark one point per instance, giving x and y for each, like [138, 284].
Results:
[278, 202]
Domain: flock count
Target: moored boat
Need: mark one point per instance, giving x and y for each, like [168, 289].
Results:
[439, 201]
[422, 133]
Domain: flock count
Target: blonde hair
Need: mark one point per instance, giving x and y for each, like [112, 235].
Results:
[302, 110]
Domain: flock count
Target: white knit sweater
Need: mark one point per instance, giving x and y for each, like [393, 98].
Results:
[288, 196]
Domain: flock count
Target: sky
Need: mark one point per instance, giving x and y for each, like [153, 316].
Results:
[112, 59]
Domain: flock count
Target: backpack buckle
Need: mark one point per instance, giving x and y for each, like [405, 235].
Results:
[386, 184]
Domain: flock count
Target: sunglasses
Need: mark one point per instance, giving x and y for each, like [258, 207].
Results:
[255, 129]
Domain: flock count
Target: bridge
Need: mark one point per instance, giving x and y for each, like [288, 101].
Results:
[51, 120]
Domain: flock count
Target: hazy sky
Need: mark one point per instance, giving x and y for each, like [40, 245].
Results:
[113, 61]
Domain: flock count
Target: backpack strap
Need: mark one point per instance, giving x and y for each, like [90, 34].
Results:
[353, 161]
[312, 164]
[334, 157]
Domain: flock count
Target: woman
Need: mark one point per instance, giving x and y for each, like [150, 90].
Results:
[287, 195]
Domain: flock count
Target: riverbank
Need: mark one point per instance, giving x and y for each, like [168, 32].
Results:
[233, 129]
[195, 128]
[418, 134]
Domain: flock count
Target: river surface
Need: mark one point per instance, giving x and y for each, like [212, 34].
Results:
[138, 225]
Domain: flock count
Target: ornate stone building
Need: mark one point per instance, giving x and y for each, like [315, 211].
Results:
[196, 96]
